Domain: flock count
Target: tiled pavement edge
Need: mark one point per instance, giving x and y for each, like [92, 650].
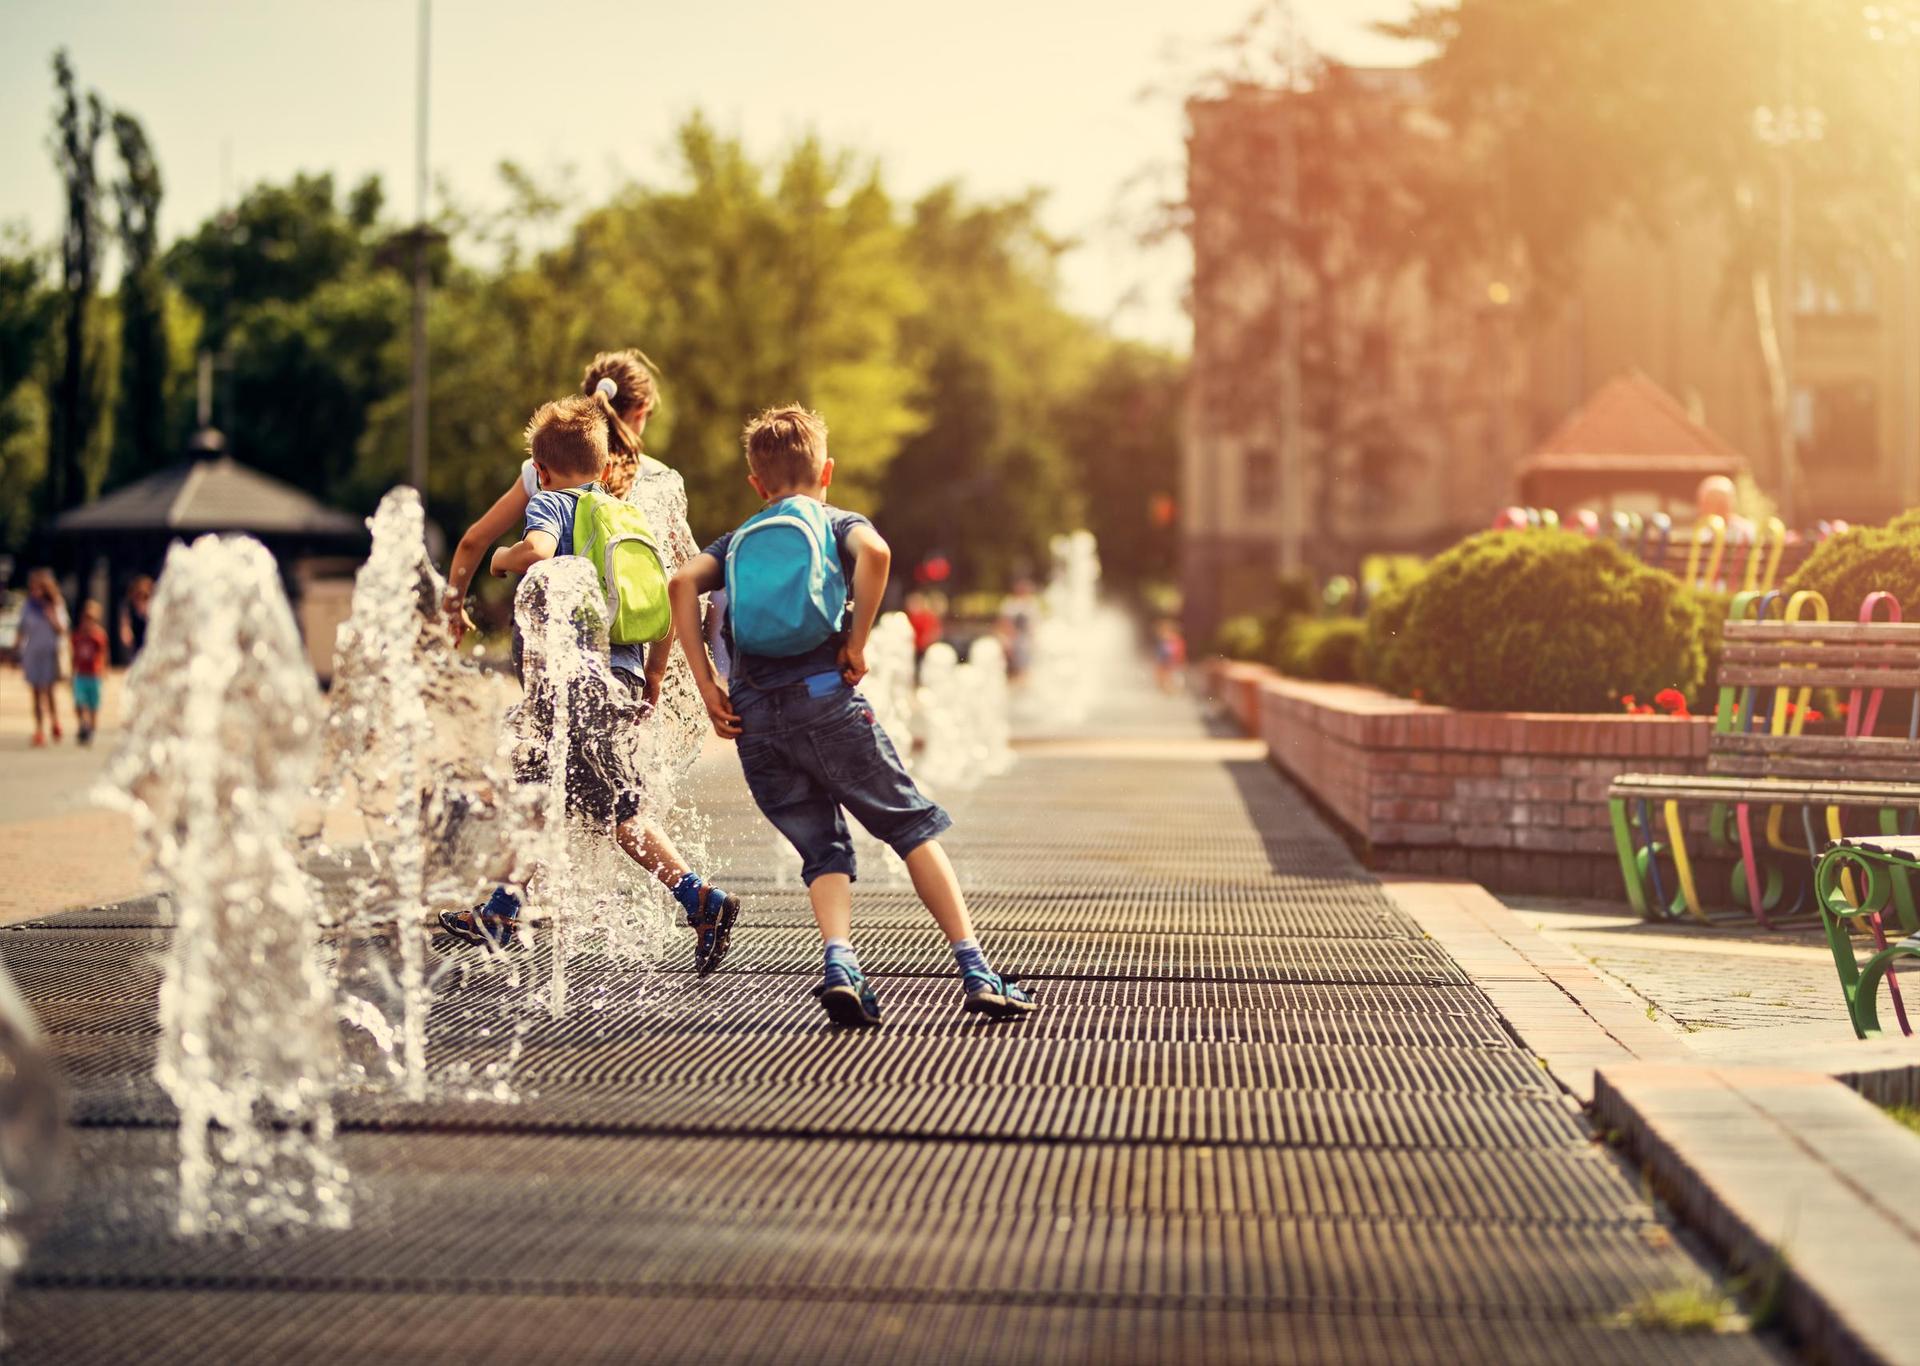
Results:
[1790, 1172]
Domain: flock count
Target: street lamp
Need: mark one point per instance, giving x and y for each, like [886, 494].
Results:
[1897, 24]
[1783, 128]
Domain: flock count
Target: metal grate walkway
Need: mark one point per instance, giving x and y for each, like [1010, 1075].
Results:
[1261, 1119]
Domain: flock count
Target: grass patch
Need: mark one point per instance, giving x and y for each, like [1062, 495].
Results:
[1909, 1115]
[1700, 1307]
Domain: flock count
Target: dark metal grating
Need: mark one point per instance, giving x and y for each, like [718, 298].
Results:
[1261, 1118]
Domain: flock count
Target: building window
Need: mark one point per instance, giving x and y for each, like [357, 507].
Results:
[1260, 479]
[1837, 425]
[1838, 294]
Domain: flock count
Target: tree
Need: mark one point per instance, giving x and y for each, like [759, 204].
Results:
[297, 300]
[751, 284]
[140, 425]
[1003, 359]
[75, 416]
[28, 313]
[1122, 435]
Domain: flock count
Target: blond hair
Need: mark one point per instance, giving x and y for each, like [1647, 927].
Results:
[629, 375]
[786, 446]
[569, 436]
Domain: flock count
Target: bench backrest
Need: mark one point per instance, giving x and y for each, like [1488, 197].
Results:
[1768, 675]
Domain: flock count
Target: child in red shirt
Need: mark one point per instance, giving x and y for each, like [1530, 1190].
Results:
[89, 666]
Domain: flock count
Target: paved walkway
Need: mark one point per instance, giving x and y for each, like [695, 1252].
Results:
[57, 848]
[1729, 991]
[1262, 1119]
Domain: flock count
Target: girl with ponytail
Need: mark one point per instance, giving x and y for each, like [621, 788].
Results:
[623, 384]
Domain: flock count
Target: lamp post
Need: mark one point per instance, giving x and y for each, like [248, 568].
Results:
[1783, 128]
[1897, 24]
[417, 446]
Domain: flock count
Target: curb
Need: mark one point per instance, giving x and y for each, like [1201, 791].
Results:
[1789, 1170]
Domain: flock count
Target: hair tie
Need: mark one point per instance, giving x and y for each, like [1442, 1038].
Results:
[607, 389]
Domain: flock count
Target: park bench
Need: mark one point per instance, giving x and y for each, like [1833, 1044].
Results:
[1857, 880]
[1768, 784]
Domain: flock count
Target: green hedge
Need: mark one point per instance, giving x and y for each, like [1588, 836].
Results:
[1535, 621]
[1845, 568]
[1326, 651]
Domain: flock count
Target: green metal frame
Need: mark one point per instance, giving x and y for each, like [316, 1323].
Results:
[1842, 901]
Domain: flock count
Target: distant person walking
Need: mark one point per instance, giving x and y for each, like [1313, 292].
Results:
[89, 668]
[133, 617]
[1019, 616]
[43, 626]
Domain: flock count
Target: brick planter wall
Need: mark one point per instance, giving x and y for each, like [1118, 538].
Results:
[1513, 800]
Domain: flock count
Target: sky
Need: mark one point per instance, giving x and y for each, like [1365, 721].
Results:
[1000, 95]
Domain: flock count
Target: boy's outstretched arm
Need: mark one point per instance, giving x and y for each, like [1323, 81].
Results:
[701, 574]
[523, 555]
[872, 561]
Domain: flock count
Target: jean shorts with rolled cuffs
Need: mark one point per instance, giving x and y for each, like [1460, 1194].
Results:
[813, 754]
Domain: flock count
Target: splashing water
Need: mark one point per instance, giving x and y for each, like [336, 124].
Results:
[991, 724]
[580, 745]
[33, 1134]
[220, 748]
[410, 737]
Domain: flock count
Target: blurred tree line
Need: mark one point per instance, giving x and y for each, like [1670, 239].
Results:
[969, 408]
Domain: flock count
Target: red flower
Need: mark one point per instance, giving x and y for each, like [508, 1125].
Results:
[1628, 703]
[1814, 715]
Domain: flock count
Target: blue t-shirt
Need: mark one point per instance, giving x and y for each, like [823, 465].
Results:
[751, 673]
[552, 511]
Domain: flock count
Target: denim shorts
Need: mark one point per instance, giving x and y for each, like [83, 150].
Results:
[812, 761]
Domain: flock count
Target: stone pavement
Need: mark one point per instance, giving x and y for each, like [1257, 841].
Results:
[1263, 1118]
[56, 847]
[1728, 990]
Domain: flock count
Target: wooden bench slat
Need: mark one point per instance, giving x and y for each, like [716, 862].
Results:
[1849, 656]
[1835, 748]
[1792, 766]
[1838, 632]
[1815, 676]
[1759, 791]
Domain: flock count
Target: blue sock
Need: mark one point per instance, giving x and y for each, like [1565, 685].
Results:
[687, 892]
[502, 905]
[970, 959]
[842, 966]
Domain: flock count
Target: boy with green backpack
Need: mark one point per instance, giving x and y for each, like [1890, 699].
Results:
[573, 515]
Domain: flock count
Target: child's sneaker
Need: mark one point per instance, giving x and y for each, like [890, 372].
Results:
[996, 997]
[712, 923]
[493, 922]
[847, 998]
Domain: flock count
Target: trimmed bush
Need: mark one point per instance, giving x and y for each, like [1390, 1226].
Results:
[1713, 620]
[1535, 621]
[1242, 638]
[1324, 651]
[1843, 569]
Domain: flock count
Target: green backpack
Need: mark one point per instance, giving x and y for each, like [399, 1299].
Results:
[615, 538]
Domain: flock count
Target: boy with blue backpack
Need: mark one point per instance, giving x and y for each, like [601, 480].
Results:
[804, 582]
[573, 515]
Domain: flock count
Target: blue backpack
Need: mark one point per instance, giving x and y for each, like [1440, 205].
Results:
[786, 591]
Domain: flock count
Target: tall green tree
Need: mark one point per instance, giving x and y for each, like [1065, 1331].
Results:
[303, 309]
[988, 479]
[79, 123]
[1122, 435]
[140, 429]
[29, 311]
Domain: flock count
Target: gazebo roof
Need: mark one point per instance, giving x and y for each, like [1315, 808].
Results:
[217, 494]
[1629, 435]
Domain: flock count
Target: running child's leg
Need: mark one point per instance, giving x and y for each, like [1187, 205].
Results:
[710, 911]
[938, 888]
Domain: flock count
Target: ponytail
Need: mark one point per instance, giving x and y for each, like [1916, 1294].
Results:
[620, 381]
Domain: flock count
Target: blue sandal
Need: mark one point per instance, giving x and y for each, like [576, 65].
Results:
[851, 1003]
[996, 997]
